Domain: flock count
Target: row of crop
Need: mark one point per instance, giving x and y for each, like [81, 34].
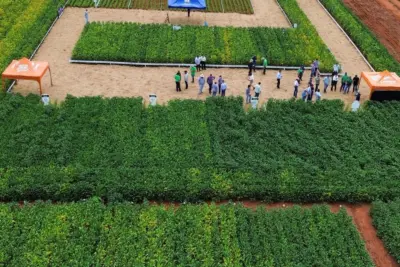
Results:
[282, 183]
[193, 150]
[236, 6]
[91, 234]
[26, 30]
[13, 10]
[221, 45]
[377, 55]
[386, 219]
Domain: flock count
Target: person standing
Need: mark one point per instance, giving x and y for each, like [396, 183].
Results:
[335, 79]
[326, 83]
[265, 64]
[317, 81]
[343, 82]
[254, 59]
[186, 79]
[300, 74]
[316, 63]
[193, 71]
[203, 60]
[219, 84]
[278, 79]
[202, 82]
[317, 95]
[348, 84]
[296, 87]
[356, 81]
[304, 95]
[251, 78]
[214, 89]
[248, 94]
[257, 89]
[223, 88]
[312, 70]
[86, 16]
[210, 81]
[197, 62]
[336, 69]
[178, 81]
[250, 65]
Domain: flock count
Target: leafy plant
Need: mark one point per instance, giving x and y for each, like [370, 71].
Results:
[366, 41]
[386, 219]
[91, 234]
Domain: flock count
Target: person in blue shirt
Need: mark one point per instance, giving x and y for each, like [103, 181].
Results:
[248, 94]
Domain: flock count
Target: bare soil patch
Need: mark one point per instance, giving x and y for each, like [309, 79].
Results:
[383, 18]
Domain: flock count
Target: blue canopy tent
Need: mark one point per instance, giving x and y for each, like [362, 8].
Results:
[187, 4]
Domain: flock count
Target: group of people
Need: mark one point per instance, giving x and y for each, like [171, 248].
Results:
[215, 86]
[315, 80]
[178, 78]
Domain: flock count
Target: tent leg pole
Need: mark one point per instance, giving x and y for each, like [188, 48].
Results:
[51, 78]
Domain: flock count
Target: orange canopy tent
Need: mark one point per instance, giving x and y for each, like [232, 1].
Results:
[383, 85]
[24, 69]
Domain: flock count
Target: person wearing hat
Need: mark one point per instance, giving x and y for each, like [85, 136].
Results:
[202, 81]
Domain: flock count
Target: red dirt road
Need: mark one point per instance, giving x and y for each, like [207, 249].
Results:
[361, 218]
[383, 18]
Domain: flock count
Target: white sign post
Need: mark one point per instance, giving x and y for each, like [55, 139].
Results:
[45, 99]
[153, 99]
[254, 102]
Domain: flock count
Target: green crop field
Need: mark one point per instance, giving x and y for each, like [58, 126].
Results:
[194, 150]
[386, 219]
[23, 24]
[235, 6]
[369, 45]
[221, 45]
[91, 234]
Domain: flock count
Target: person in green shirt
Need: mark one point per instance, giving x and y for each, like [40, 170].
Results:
[300, 72]
[265, 64]
[193, 72]
[178, 81]
[343, 81]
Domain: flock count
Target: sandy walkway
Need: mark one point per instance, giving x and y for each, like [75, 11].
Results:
[89, 80]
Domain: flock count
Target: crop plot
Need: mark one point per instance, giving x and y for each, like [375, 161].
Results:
[386, 219]
[92, 234]
[235, 6]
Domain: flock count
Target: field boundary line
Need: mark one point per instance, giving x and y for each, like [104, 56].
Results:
[143, 64]
[347, 36]
[41, 42]
[284, 13]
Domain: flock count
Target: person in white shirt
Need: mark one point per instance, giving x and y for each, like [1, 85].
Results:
[186, 79]
[257, 89]
[197, 62]
[335, 79]
[278, 79]
[336, 68]
[251, 78]
[203, 60]
[296, 87]
[223, 88]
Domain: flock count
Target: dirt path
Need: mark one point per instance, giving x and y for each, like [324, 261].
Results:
[108, 81]
[385, 23]
[336, 41]
[361, 219]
